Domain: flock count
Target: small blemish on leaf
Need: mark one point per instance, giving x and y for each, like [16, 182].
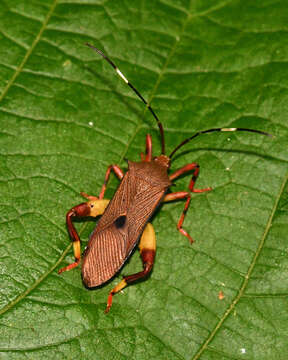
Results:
[67, 64]
[221, 295]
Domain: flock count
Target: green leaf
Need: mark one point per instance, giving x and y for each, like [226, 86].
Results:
[65, 116]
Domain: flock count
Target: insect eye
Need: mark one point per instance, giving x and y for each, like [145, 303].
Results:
[120, 221]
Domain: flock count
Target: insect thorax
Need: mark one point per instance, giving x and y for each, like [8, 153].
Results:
[152, 172]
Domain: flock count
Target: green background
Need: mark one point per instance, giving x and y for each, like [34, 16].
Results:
[65, 116]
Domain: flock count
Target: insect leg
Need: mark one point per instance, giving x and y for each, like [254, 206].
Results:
[147, 248]
[179, 196]
[185, 169]
[148, 156]
[89, 197]
[118, 172]
[90, 208]
[94, 207]
[185, 195]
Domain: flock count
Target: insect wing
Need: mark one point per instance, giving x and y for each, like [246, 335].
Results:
[144, 204]
[104, 256]
[106, 250]
[118, 230]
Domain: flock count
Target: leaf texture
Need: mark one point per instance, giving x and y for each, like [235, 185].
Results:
[65, 116]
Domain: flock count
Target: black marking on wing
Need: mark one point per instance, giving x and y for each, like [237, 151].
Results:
[120, 221]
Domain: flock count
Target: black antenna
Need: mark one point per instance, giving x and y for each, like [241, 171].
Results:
[214, 130]
[136, 92]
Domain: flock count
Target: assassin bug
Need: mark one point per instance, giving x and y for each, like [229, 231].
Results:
[125, 218]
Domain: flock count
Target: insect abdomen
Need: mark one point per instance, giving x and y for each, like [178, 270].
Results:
[119, 229]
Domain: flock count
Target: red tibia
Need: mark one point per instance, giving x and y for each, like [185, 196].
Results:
[182, 194]
[70, 266]
[131, 278]
[184, 232]
[89, 197]
[118, 172]
[180, 222]
[178, 196]
[185, 169]
[148, 148]
[126, 281]
[109, 302]
[201, 190]
[147, 256]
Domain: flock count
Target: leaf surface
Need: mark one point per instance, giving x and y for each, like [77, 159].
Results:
[66, 116]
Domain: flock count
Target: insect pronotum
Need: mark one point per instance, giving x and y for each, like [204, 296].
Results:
[125, 218]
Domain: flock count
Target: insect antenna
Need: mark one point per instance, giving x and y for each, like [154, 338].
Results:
[136, 92]
[215, 130]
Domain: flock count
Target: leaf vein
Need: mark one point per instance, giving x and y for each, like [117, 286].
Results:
[29, 51]
[247, 277]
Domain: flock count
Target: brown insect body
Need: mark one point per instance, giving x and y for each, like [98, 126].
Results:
[125, 218]
[119, 228]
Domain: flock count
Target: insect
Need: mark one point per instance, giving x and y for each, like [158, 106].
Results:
[125, 218]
